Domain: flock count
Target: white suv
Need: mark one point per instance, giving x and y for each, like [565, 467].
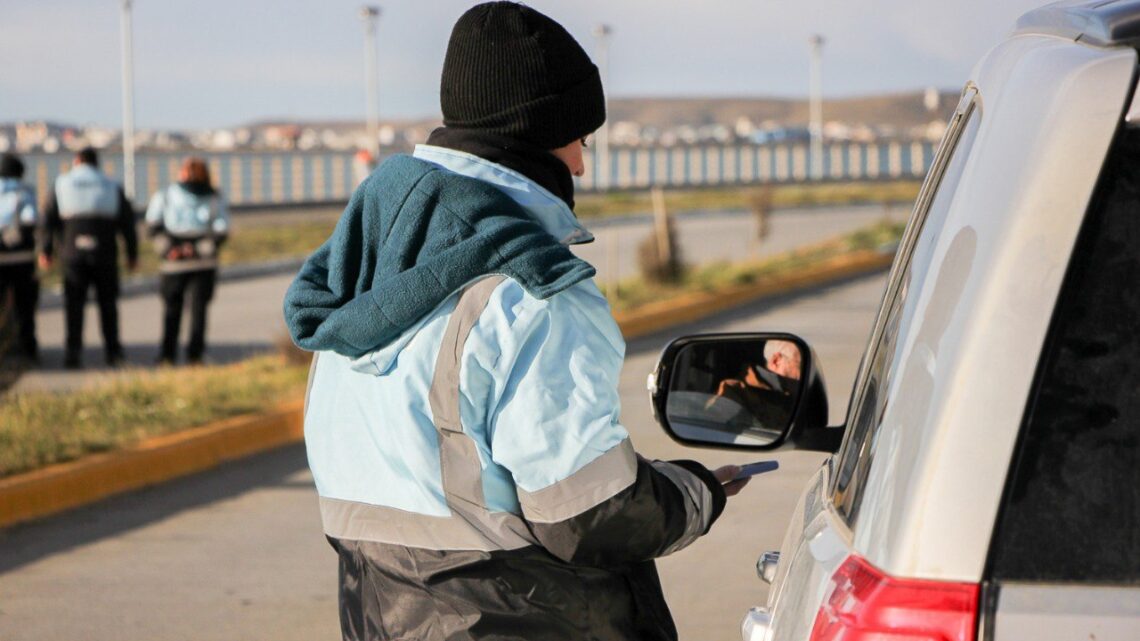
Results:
[986, 483]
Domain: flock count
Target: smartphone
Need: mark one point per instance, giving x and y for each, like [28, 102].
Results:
[759, 467]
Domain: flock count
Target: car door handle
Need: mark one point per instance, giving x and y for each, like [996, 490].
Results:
[766, 566]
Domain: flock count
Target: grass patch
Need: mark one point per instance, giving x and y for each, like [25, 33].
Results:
[39, 429]
[632, 293]
[727, 198]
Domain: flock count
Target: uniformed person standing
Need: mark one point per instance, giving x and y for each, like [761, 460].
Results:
[463, 418]
[188, 221]
[85, 213]
[18, 218]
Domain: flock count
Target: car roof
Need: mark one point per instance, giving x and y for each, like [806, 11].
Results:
[1097, 22]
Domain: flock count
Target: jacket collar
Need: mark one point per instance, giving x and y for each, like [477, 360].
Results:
[548, 210]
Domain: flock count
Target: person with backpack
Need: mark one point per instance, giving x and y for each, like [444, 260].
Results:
[18, 220]
[188, 222]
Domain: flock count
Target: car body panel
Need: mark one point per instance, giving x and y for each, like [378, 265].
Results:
[1062, 613]
[816, 543]
[968, 361]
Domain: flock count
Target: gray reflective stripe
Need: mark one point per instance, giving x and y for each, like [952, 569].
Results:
[179, 266]
[471, 526]
[309, 385]
[698, 503]
[11, 258]
[107, 214]
[363, 522]
[459, 458]
[598, 481]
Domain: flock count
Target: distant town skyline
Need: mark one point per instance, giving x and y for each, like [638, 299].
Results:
[214, 63]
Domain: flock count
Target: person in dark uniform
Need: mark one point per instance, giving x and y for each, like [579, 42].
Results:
[85, 213]
[188, 221]
[18, 218]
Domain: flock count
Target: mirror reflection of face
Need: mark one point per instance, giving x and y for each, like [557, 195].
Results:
[740, 391]
[783, 358]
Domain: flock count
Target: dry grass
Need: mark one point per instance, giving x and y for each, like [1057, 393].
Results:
[44, 428]
[634, 292]
[728, 198]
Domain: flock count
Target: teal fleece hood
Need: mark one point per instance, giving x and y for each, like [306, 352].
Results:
[412, 234]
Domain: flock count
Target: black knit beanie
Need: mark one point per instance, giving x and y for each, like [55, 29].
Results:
[512, 71]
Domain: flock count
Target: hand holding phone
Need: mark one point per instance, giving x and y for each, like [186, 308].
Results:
[752, 469]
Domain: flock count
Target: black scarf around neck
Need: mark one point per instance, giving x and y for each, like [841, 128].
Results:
[197, 188]
[535, 163]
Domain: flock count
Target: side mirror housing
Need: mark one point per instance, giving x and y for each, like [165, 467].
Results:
[751, 391]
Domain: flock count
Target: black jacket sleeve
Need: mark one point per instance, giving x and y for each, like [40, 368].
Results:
[126, 223]
[51, 226]
[667, 506]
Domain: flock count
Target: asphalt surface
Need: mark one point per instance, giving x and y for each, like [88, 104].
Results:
[237, 553]
[245, 316]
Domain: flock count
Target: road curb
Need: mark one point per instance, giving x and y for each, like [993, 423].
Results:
[56, 488]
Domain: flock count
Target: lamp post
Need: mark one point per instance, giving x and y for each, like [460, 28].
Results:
[370, 15]
[128, 103]
[815, 107]
[602, 33]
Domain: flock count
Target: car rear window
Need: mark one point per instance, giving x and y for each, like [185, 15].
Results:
[1071, 511]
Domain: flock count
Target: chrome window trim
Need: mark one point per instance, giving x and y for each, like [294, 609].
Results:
[967, 104]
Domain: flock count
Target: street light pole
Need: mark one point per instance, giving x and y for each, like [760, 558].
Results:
[815, 107]
[370, 15]
[602, 138]
[128, 103]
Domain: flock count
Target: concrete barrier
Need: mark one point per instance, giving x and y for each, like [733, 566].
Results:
[56, 488]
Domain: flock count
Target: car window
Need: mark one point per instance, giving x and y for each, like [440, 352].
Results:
[915, 254]
[1071, 511]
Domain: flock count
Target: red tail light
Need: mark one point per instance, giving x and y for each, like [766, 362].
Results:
[864, 604]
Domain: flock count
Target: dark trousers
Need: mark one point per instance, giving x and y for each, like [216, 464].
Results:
[198, 287]
[78, 278]
[20, 281]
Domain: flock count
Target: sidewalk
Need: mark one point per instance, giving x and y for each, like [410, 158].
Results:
[245, 319]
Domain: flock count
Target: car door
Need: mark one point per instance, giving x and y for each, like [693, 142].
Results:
[819, 538]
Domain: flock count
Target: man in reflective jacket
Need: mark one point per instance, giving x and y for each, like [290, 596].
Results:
[18, 217]
[88, 211]
[462, 420]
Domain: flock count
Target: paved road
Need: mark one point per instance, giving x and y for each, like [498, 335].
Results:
[237, 553]
[726, 236]
[246, 315]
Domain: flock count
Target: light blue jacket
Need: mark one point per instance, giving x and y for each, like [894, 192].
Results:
[187, 215]
[538, 386]
[85, 192]
[474, 476]
[18, 219]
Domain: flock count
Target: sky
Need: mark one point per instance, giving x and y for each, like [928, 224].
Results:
[216, 63]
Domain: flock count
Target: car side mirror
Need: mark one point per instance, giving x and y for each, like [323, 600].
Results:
[755, 391]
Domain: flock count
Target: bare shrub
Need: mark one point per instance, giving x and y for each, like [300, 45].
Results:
[661, 264]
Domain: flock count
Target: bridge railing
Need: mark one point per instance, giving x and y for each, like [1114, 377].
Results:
[276, 178]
